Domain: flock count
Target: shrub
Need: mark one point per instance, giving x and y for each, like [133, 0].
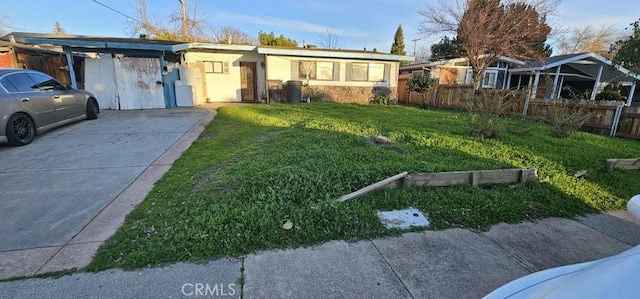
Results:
[566, 119]
[420, 83]
[486, 107]
[609, 95]
[381, 98]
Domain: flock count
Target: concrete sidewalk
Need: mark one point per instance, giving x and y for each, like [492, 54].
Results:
[454, 263]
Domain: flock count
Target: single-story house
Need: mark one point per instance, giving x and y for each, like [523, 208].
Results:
[561, 76]
[137, 73]
[458, 71]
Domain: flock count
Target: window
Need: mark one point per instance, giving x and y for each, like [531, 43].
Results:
[7, 85]
[19, 83]
[360, 72]
[216, 67]
[367, 71]
[315, 70]
[469, 79]
[46, 83]
[324, 70]
[489, 79]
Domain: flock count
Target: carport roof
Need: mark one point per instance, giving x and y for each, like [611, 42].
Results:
[581, 65]
[114, 45]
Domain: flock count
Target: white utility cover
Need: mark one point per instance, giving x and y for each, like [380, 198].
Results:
[403, 219]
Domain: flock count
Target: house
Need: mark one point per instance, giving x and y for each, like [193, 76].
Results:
[563, 76]
[137, 73]
[458, 71]
[244, 72]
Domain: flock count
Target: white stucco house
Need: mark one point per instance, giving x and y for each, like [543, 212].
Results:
[137, 73]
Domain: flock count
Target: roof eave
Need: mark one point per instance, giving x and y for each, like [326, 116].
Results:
[333, 54]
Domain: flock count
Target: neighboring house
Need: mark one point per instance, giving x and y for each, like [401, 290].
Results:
[458, 71]
[563, 76]
[144, 74]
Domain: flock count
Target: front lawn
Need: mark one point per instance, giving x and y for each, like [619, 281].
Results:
[255, 167]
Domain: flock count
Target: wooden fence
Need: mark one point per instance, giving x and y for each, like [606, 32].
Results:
[452, 178]
[609, 118]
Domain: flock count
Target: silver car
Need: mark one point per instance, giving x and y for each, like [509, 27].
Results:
[32, 103]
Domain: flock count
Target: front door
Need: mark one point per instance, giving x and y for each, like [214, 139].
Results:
[248, 81]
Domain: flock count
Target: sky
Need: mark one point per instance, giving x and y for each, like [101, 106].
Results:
[360, 23]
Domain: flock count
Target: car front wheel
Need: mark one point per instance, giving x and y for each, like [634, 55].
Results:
[20, 129]
[92, 109]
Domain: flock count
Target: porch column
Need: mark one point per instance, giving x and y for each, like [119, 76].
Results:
[536, 81]
[560, 87]
[630, 97]
[597, 83]
[508, 81]
[525, 111]
[555, 83]
[519, 81]
[72, 73]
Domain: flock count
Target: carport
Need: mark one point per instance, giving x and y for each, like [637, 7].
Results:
[124, 73]
[582, 72]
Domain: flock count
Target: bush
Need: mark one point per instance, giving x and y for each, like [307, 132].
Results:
[486, 107]
[381, 98]
[609, 95]
[566, 119]
[420, 83]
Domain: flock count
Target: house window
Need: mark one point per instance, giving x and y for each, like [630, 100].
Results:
[489, 79]
[367, 71]
[215, 67]
[315, 70]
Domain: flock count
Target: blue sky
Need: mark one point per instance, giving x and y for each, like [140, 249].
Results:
[361, 23]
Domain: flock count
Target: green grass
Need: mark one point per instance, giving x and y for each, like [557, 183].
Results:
[255, 167]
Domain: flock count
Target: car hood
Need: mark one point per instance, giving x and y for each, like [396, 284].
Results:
[612, 277]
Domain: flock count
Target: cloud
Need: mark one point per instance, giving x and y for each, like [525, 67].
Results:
[290, 24]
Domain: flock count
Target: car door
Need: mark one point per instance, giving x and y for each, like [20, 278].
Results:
[38, 103]
[67, 103]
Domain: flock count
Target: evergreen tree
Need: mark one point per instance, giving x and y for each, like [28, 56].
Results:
[397, 47]
[270, 39]
[628, 48]
[447, 48]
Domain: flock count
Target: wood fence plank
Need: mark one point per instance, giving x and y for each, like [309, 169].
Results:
[373, 187]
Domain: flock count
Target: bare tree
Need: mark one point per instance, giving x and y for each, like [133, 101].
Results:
[423, 54]
[197, 28]
[588, 39]
[228, 34]
[4, 23]
[489, 29]
[330, 39]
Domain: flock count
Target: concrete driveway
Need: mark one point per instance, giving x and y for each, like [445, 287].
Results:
[53, 188]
